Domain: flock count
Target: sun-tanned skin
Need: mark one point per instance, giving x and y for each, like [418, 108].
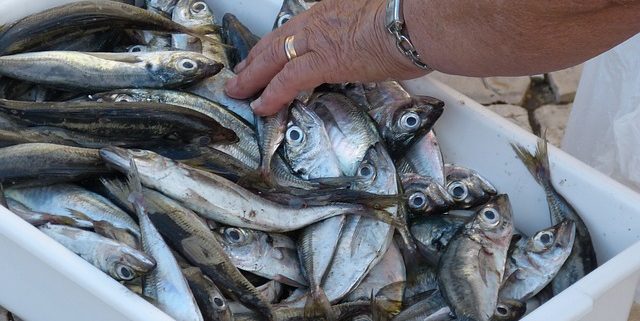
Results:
[339, 41]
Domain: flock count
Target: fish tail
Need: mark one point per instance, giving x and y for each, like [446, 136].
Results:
[318, 305]
[537, 163]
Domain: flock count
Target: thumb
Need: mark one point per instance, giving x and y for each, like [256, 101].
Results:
[300, 74]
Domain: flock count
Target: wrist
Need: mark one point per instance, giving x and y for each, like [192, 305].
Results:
[405, 68]
[415, 29]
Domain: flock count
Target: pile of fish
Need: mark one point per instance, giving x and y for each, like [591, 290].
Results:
[119, 143]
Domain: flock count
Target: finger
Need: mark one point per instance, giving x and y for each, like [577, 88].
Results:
[292, 27]
[263, 68]
[298, 75]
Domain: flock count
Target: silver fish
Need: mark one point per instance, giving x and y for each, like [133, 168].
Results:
[472, 267]
[112, 257]
[424, 195]
[195, 15]
[219, 199]
[388, 271]
[270, 255]
[212, 88]
[166, 284]
[536, 261]
[582, 259]
[69, 200]
[363, 241]
[307, 146]
[38, 218]
[271, 130]
[107, 71]
[350, 129]
[467, 187]
[424, 158]
[433, 233]
[212, 303]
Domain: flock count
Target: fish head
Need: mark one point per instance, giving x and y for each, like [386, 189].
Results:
[425, 194]
[240, 243]
[408, 122]
[145, 160]
[183, 66]
[130, 264]
[291, 8]
[554, 241]
[376, 172]
[509, 310]
[494, 220]
[195, 14]
[467, 187]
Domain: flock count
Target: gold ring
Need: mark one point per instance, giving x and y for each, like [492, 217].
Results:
[289, 49]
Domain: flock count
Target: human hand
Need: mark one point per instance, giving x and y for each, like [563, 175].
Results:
[336, 41]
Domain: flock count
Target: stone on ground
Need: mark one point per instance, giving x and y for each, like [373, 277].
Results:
[565, 83]
[553, 119]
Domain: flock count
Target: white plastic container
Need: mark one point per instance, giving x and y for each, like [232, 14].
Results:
[42, 281]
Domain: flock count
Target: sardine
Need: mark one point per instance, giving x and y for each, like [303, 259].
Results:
[270, 255]
[536, 261]
[166, 284]
[191, 237]
[43, 31]
[509, 310]
[467, 187]
[112, 257]
[472, 267]
[107, 71]
[48, 163]
[216, 198]
[582, 259]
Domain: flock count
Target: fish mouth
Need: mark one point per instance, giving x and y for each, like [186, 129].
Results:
[212, 68]
[116, 157]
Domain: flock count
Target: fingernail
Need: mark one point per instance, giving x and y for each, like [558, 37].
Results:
[256, 104]
[240, 66]
[231, 84]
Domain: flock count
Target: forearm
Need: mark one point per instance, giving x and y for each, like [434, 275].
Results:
[516, 37]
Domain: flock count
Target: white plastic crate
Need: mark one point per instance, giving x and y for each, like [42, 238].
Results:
[42, 281]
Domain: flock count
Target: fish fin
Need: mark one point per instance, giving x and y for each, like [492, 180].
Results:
[318, 305]
[288, 281]
[136, 198]
[79, 215]
[357, 238]
[537, 163]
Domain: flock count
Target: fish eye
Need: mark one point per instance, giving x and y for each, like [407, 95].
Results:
[543, 240]
[490, 217]
[234, 235]
[186, 65]
[458, 191]
[123, 98]
[136, 48]
[198, 7]
[283, 19]
[502, 310]
[295, 135]
[417, 200]
[138, 152]
[367, 171]
[124, 272]
[219, 302]
[410, 121]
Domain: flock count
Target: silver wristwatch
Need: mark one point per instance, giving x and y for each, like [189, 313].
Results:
[395, 25]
